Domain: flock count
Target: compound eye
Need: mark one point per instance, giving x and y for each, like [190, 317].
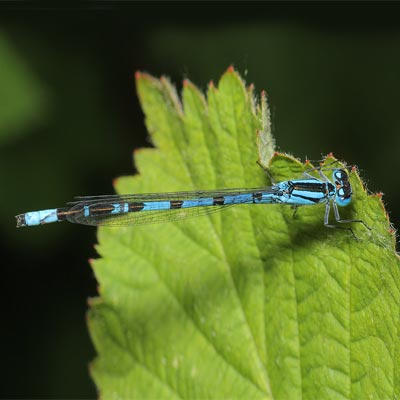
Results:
[343, 187]
[340, 175]
[343, 196]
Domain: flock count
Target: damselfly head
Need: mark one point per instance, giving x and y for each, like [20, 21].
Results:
[343, 187]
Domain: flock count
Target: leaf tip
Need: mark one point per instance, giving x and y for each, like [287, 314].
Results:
[330, 155]
[143, 77]
[139, 75]
[186, 83]
[211, 84]
[230, 69]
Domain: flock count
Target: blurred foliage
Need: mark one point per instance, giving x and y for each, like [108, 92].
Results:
[22, 100]
[69, 121]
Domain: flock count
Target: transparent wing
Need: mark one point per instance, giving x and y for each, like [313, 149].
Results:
[144, 217]
[88, 200]
[76, 213]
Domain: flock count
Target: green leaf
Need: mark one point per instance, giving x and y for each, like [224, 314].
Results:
[251, 302]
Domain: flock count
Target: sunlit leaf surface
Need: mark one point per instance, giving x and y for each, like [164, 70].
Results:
[251, 302]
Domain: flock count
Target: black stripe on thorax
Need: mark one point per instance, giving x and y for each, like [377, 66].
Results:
[313, 199]
[311, 187]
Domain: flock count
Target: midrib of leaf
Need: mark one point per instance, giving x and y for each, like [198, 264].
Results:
[228, 266]
[196, 325]
[226, 263]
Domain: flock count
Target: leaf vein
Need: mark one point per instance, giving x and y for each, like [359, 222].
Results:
[190, 318]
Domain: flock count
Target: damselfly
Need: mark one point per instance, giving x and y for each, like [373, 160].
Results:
[136, 209]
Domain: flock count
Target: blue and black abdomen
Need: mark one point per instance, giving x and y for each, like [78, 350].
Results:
[125, 210]
[97, 213]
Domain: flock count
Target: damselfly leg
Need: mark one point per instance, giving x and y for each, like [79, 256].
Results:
[340, 220]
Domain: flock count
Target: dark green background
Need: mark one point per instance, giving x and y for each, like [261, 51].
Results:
[70, 119]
